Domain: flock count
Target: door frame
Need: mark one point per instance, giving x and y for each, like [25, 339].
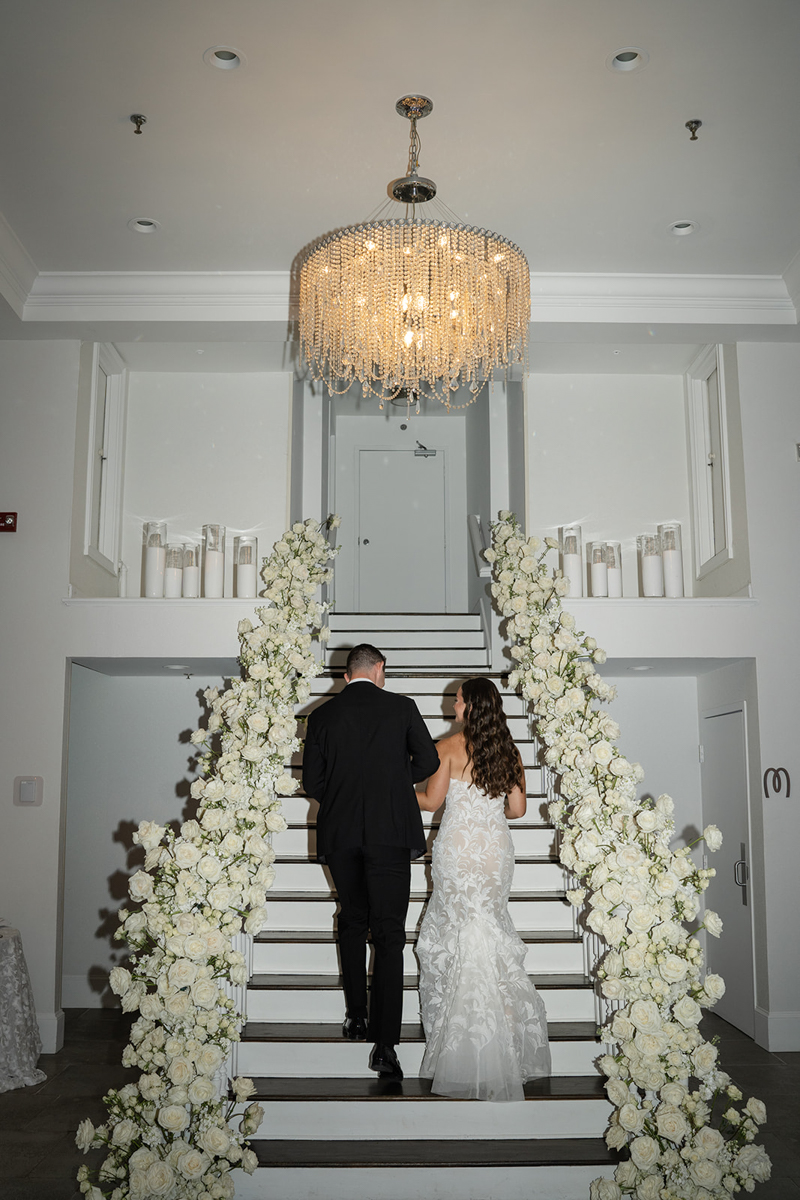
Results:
[721, 710]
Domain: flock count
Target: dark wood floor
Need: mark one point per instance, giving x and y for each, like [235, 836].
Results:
[39, 1159]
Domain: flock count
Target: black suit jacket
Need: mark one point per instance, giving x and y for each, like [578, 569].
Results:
[365, 749]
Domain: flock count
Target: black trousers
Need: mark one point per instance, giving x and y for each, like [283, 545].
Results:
[373, 884]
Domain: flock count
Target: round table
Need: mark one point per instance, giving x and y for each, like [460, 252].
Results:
[20, 1043]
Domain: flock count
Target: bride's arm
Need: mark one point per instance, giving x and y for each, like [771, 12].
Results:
[432, 795]
[516, 803]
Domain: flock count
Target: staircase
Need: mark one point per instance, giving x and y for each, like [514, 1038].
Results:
[331, 1128]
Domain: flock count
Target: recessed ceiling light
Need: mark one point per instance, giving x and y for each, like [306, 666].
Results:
[224, 57]
[640, 668]
[629, 58]
[682, 228]
[144, 225]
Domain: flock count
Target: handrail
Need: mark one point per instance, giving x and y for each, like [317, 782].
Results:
[478, 543]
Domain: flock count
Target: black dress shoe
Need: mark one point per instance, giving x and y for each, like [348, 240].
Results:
[384, 1060]
[355, 1029]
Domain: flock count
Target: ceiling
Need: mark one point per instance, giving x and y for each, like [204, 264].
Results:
[532, 135]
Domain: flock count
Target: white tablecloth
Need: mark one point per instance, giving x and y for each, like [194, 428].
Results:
[20, 1044]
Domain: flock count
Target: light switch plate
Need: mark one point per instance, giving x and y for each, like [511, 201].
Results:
[28, 790]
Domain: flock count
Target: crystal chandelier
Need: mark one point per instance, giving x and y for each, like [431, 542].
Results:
[413, 304]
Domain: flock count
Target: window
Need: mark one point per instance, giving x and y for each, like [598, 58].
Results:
[106, 452]
[709, 461]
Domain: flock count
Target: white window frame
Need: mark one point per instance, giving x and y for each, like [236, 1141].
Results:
[104, 502]
[705, 517]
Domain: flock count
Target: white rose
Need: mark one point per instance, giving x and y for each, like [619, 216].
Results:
[704, 1059]
[713, 923]
[631, 1117]
[202, 1090]
[706, 1173]
[672, 968]
[173, 1117]
[204, 993]
[85, 1135]
[180, 1071]
[644, 1152]
[617, 1092]
[216, 942]
[713, 837]
[221, 897]
[160, 1178]
[215, 1140]
[673, 1094]
[119, 980]
[645, 1016]
[193, 1163]
[124, 1132]
[671, 1123]
[186, 854]
[708, 1142]
[628, 855]
[275, 822]
[195, 946]
[604, 1189]
[714, 987]
[182, 973]
[140, 886]
[178, 1004]
[665, 884]
[149, 834]
[633, 959]
[208, 1060]
[641, 918]
[650, 1188]
[210, 868]
[753, 1160]
[757, 1110]
[602, 753]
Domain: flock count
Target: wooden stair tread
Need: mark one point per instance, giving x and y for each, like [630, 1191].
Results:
[327, 1031]
[282, 936]
[505, 1152]
[263, 981]
[559, 1087]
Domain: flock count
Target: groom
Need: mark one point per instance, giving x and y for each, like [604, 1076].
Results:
[365, 749]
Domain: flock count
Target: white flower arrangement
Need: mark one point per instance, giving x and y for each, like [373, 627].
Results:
[639, 894]
[168, 1135]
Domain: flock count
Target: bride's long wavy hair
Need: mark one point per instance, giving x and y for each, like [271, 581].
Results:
[490, 748]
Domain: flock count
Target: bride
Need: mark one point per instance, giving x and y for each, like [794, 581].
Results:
[484, 1021]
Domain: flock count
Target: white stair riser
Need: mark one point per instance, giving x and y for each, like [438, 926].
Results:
[294, 843]
[432, 660]
[321, 958]
[312, 877]
[361, 622]
[315, 1005]
[423, 689]
[430, 1183]
[393, 640]
[343, 1059]
[300, 810]
[325, 1120]
[530, 915]
[437, 713]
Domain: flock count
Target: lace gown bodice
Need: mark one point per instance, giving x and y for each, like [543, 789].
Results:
[485, 1023]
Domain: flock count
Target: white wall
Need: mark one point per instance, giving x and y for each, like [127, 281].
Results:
[38, 394]
[658, 728]
[608, 452]
[769, 393]
[206, 448]
[128, 762]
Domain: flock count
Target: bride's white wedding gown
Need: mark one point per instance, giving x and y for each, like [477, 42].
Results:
[484, 1021]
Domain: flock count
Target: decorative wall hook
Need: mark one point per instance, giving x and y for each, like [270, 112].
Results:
[692, 126]
[774, 778]
[138, 121]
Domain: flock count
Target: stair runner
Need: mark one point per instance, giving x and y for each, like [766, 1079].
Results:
[331, 1128]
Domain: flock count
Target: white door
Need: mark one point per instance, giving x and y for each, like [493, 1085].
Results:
[724, 783]
[400, 551]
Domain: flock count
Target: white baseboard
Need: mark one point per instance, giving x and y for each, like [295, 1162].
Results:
[777, 1031]
[51, 1031]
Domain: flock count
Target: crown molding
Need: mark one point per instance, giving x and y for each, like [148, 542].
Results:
[17, 269]
[260, 296]
[792, 279]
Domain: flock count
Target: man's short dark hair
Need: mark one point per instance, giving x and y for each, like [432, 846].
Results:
[363, 658]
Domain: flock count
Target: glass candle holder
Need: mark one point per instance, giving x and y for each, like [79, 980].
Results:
[245, 559]
[598, 568]
[614, 566]
[570, 543]
[671, 558]
[155, 550]
[191, 570]
[652, 569]
[173, 570]
[214, 563]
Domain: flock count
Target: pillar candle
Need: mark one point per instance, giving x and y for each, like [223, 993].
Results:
[673, 572]
[246, 580]
[214, 574]
[652, 575]
[599, 579]
[191, 582]
[154, 559]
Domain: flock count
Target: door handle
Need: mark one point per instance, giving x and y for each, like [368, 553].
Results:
[740, 873]
[365, 541]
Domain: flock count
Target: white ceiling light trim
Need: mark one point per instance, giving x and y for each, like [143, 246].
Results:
[143, 225]
[628, 58]
[683, 227]
[224, 58]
